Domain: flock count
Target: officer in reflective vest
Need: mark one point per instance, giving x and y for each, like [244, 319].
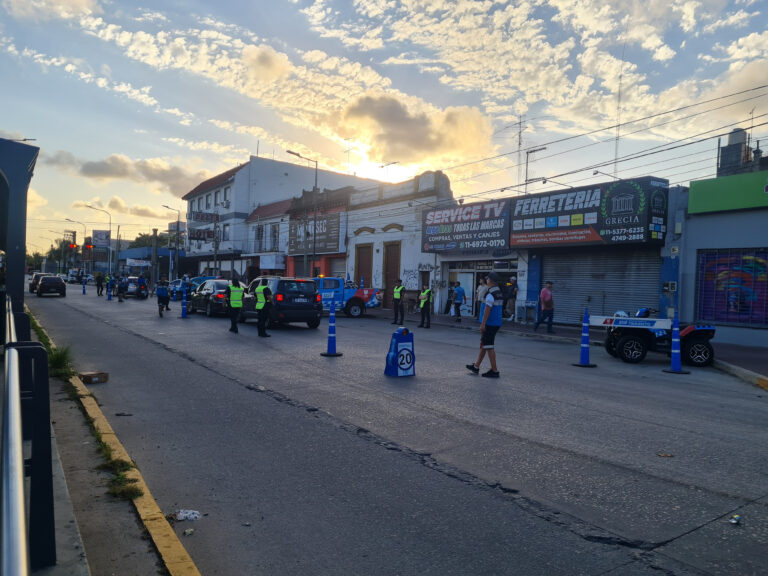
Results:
[397, 301]
[425, 302]
[263, 304]
[235, 299]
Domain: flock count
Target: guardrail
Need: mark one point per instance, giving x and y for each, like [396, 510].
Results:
[25, 416]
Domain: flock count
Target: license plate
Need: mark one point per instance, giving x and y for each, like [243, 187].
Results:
[300, 300]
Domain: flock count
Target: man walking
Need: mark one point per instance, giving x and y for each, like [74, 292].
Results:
[458, 299]
[397, 301]
[99, 284]
[425, 303]
[490, 321]
[547, 305]
[234, 294]
[263, 304]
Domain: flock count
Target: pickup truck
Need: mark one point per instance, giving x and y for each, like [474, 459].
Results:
[347, 296]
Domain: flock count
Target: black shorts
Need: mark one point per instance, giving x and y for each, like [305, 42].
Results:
[488, 337]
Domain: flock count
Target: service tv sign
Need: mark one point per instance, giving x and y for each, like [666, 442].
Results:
[482, 226]
[621, 212]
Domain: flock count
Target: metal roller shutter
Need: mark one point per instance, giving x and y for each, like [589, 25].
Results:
[339, 267]
[603, 282]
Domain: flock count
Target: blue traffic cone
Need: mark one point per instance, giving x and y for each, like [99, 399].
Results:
[83, 283]
[331, 333]
[675, 366]
[109, 290]
[584, 357]
[183, 302]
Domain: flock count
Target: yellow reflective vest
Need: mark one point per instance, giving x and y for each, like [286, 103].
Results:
[399, 292]
[261, 298]
[427, 296]
[236, 296]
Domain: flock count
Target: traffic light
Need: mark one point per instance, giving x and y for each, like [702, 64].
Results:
[73, 246]
[89, 246]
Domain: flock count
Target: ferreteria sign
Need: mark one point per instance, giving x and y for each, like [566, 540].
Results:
[621, 212]
[466, 228]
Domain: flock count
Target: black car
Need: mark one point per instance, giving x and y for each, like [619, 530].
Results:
[51, 284]
[293, 300]
[210, 297]
[35, 279]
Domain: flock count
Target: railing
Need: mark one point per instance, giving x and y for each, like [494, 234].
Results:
[25, 416]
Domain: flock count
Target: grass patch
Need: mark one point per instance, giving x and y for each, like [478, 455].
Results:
[60, 362]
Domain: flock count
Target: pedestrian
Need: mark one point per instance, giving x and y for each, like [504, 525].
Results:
[511, 298]
[449, 300]
[163, 295]
[425, 303]
[263, 306]
[480, 293]
[546, 308]
[234, 294]
[398, 304]
[122, 288]
[99, 284]
[490, 321]
[458, 300]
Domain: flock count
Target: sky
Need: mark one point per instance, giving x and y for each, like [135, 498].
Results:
[134, 105]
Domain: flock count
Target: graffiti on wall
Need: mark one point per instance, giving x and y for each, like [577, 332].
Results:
[733, 286]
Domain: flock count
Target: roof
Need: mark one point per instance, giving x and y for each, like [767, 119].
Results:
[269, 210]
[214, 182]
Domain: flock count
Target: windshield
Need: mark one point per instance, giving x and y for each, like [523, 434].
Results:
[303, 287]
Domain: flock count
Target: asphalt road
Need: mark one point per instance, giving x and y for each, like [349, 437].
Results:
[306, 464]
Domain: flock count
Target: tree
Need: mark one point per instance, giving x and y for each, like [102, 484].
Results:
[34, 260]
[144, 240]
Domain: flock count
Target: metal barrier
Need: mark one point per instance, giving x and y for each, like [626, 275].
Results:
[25, 415]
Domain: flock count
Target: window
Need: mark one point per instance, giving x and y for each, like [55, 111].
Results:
[732, 286]
[200, 204]
[274, 237]
[259, 239]
[216, 199]
[225, 232]
[207, 201]
[226, 193]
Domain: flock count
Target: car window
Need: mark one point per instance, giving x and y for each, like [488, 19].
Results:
[302, 287]
[219, 284]
[331, 283]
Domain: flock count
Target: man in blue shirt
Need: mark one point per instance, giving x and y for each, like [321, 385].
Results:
[458, 300]
[490, 321]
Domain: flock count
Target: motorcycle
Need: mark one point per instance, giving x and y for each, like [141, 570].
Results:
[631, 344]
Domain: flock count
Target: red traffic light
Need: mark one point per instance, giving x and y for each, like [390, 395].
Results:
[89, 246]
[73, 246]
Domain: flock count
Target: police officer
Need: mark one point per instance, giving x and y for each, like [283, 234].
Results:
[398, 297]
[425, 302]
[234, 294]
[263, 304]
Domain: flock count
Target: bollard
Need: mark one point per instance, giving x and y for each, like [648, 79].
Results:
[175, 291]
[109, 289]
[675, 365]
[83, 284]
[401, 360]
[584, 357]
[331, 351]
[183, 302]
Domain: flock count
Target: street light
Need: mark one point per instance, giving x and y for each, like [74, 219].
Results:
[82, 250]
[178, 225]
[545, 180]
[527, 155]
[314, 218]
[596, 172]
[109, 265]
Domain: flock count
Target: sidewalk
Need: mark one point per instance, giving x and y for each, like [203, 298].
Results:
[749, 363]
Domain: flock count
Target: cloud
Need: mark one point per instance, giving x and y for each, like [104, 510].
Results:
[34, 201]
[116, 205]
[263, 64]
[50, 9]
[174, 179]
[738, 19]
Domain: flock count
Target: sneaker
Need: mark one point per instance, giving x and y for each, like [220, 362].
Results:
[490, 374]
[472, 368]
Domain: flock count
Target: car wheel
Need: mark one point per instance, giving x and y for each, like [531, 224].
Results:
[208, 310]
[354, 309]
[632, 348]
[314, 323]
[698, 352]
[610, 345]
[63, 294]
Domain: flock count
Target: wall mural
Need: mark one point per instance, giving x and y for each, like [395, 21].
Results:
[733, 286]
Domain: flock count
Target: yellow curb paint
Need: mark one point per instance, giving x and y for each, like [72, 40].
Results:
[175, 557]
[763, 383]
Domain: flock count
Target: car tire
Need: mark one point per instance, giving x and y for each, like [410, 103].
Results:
[63, 294]
[354, 309]
[698, 352]
[632, 348]
[208, 310]
[313, 324]
[610, 345]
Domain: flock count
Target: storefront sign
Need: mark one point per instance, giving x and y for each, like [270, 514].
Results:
[325, 240]
[204, 217]
[201, 234]
[621, 212]
[460, 229]
[101, 238]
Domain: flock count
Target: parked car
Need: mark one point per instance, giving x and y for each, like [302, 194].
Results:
[35, 279]
[134, 289]
[51, 284]
[293, 300]
[209, 297]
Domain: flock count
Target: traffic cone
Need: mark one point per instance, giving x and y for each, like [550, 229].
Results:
[183, 302]
[584, 357]
[331, 333]
[675, 366]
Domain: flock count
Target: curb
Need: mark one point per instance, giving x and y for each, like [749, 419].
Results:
[742, 373]
[175, 557]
